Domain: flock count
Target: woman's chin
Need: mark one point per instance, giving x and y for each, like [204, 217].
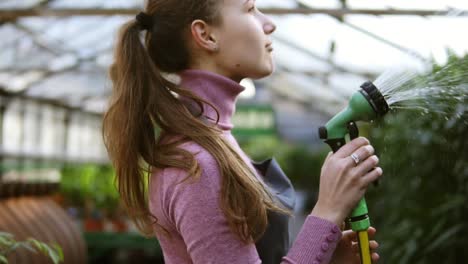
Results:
[272, 68]
[259, 71]
[265, 70]
[268, 70]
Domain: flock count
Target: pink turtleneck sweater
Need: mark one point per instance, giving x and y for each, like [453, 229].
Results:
[190, 211]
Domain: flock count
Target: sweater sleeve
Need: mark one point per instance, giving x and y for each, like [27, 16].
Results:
[315, 243]
[194, 211]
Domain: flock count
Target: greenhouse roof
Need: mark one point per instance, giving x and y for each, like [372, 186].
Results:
[58, 51]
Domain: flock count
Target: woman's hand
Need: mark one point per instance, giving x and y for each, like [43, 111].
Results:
[347, 250]
[343, 182]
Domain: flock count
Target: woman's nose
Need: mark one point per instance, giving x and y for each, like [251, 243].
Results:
[269, 27]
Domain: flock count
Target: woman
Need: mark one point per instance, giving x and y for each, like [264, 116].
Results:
[206, 202]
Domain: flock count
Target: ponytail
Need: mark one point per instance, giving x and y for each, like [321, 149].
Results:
[127, 129]
[143, 101]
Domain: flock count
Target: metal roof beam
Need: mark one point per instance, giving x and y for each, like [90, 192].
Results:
[39, 40]
[366, 75]
[58, 159]
[397, 46]
[373, 35]
[13, 14]
[310, 53]
[6, 96]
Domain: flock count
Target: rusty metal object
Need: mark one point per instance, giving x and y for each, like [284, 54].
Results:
[42, 219]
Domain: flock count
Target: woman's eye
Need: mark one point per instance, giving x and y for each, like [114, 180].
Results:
[252, 9]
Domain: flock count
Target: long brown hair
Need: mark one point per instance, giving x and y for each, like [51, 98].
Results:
[144, 102]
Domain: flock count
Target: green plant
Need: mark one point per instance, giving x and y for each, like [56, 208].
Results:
[95, 182]
[420, 208]
[8, 244]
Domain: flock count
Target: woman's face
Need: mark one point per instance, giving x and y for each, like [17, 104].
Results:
[244, 41]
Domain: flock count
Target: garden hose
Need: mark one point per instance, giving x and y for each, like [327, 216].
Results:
[364, 251]
[364, 105]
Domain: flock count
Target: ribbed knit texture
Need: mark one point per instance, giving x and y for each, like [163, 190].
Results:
[190, 210]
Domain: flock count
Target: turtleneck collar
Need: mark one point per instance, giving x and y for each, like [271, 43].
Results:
[219, 90]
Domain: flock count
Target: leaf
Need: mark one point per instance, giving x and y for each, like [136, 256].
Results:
[60, 252]
[5, 234]
[15, 246]
[3, 259]
[27, 246]
[6, 242]
[443, 237]
[437, 228]
[453, 203]
[38, 245]
[54, 252]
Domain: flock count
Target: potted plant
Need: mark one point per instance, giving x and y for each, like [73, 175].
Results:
[8, 244]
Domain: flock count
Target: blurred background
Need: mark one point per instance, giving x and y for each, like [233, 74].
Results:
[56, 182]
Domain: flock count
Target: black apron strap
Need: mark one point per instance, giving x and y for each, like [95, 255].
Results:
[274, 244]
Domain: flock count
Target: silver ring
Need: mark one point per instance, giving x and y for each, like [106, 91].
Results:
[355, 158]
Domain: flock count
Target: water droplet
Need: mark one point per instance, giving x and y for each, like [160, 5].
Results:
[429, 93]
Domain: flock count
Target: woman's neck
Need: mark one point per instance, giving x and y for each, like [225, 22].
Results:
[210, 66]
[216, 89]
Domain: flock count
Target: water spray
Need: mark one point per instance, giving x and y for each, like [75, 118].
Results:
[365, 105]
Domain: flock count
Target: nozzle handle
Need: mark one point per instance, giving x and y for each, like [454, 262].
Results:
[353, 130]
[335, 143]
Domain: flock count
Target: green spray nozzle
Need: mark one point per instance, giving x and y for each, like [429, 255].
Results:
[366, 104]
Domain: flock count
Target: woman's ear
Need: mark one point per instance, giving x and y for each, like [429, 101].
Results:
[204, 36]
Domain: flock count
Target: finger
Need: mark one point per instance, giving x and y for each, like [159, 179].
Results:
[348, 237]
[371, 176]
[367, 165]
[364, 152]
[351, 147]
[355, 247]
[375, 257]
[371, 231]
[373, 245]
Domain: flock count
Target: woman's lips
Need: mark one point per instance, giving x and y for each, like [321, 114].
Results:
[269, 47]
